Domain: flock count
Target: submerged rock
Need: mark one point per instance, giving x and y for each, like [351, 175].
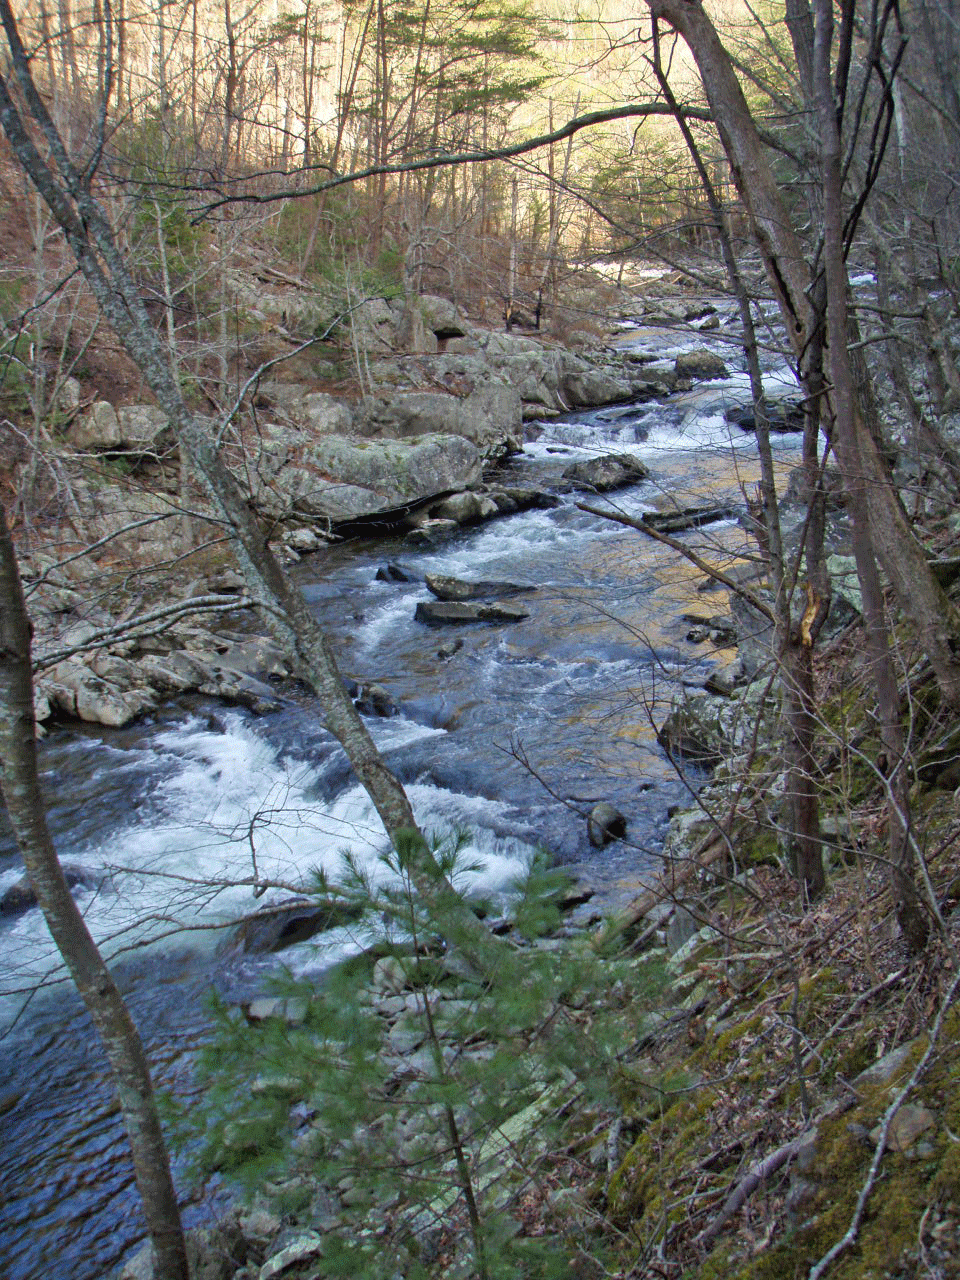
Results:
[20, 896]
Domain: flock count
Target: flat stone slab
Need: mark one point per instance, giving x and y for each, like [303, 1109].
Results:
[442, 613]
[456, 589]
[600, 475]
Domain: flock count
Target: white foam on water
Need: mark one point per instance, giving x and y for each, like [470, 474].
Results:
[231, 807]
[498, 547]
[396, 610]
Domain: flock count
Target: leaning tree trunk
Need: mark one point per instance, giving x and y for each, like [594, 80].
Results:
[21, 793]
[849, 442]
[793, 645]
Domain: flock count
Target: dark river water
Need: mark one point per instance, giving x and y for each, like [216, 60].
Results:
[170, 815]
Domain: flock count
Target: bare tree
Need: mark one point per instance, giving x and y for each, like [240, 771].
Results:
[19, 782]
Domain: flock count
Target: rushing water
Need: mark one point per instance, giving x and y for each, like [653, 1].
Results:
[172, 818]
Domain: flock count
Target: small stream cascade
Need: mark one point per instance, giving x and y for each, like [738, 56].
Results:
[169, 822]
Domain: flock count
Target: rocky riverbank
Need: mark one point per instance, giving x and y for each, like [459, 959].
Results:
[132, 602]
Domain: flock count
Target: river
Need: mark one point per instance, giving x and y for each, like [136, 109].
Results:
[170, 816]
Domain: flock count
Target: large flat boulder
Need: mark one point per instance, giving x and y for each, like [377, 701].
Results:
[448, 588]
[339, 478]
[441, 613]
[134, 428]
[490, 416]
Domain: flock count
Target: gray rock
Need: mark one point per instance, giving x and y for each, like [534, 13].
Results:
[589, 386]
[393, 573]
[273, 928]
[315, 411]
[98, 428]
[445, 587]
[143, 426]
[443, 318]
[389, 975]
[605, 823]
[413, 334]
[291, 1009]
[69, 397]
[73, 689]
[136, 427]
[689, 732]
[490, 416]
[681, 927]
[700, 364]
[430, 532]
[372, 699]
[611, 471]
[441, 613]
[304, 1247]
[302, 540]
[465, 508]
[906, 1127]
[783, 416]
[340, 478]
[374, 325]
[20, 897]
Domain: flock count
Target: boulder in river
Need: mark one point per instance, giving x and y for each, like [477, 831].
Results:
[688, 732]
[611, 471]
[782, 416]
[394, 573]
[442, 613]
[341, 478]
[445, 587]
[605, 823]
[465, 508]
[372, 699]
[281, 926]
[20, 897]
[701, 364]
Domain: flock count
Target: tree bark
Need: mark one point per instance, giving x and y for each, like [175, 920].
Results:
[21, 792]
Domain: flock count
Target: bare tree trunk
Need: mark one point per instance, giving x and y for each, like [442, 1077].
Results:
[121, 1042]
[794, 646]
[849, 437]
